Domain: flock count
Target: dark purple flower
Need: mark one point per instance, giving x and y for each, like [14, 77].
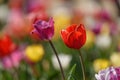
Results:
[108, 74]
[44, 30]
[97, 27]
[105, 15]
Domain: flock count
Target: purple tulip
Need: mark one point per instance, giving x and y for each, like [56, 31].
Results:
[105, 15]
[97, 27]
[108, 74]
[44, 30]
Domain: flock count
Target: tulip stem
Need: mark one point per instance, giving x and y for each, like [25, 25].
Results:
[26, 67]
[62, 72]
[82, 65]
[35, 71]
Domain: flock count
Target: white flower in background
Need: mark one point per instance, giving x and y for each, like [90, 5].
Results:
[103, 41]
[4, 11]
[64, 59]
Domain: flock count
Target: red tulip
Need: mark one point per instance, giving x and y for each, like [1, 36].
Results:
[6, 46]
[74, 36]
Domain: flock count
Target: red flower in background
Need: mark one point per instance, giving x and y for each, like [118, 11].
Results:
[74, 36]
[6, 46]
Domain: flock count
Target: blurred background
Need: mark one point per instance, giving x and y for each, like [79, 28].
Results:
[25, 57]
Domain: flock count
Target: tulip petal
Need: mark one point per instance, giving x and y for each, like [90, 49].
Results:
[48, 33]
[34, 33]
[74, 36]
[71, 28]
[64, 34]
[39, 25]
[75, 40]
[81, 29]
[51, 22]
[45, 29]
[110, 73]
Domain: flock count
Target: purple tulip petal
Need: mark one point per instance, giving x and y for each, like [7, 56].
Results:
[44, 29]
[108, 74]
[51, 22]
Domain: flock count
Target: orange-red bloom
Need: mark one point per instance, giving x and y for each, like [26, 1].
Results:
[74, 36]
[6, 46]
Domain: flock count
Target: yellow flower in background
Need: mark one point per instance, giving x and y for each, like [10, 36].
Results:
[100, 64]
[34, 53]
[115, 59]
[90, 39]
[62, 17]
[61, 21]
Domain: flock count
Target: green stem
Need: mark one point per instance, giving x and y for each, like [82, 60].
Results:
[82, 65]
[35, 71]
[26, 71]
[62, 72]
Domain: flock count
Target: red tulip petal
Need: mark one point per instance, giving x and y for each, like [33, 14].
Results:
[74, 40]
[81, 29]
[64, 34]
[74, 36]
[71, 28]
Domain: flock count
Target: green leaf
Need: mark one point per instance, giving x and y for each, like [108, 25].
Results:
[71, 73]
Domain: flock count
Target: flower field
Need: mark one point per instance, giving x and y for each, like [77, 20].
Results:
[59, 39]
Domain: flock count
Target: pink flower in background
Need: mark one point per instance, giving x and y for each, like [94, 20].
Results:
[44, 30]
[108, 74]
[112, 26]
[97, 27]
[12, 60]
[103, 15]
[36, 10]
[36, 5]
[16, 25]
